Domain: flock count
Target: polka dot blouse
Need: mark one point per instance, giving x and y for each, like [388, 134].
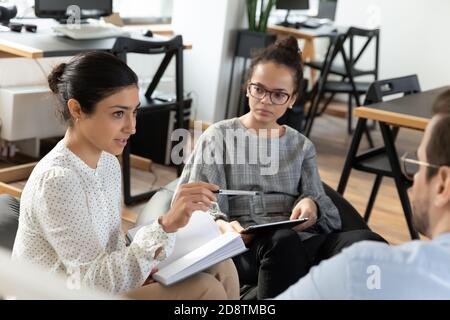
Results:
[70, 222]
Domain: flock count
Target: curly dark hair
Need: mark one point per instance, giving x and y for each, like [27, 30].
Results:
[284, 52]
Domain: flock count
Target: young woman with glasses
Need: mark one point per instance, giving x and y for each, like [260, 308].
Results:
[234, 154]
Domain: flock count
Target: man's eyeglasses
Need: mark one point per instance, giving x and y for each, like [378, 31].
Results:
[17, 27]
[410, 165]
[276, 97]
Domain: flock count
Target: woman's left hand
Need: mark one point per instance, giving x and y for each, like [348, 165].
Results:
[306, 208]
[149, 279]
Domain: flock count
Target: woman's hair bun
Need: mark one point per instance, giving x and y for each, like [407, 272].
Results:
[290, 44]
[54, 78]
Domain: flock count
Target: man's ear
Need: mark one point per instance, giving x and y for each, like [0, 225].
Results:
[74, 109]
[442, 197]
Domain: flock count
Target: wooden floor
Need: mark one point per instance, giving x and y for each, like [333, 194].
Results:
[332, 142]
[330, 137]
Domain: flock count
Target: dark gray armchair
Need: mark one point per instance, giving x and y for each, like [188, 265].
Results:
[9, 220]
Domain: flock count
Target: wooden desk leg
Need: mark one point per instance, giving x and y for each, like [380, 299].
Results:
[308, 55]
[400, 182]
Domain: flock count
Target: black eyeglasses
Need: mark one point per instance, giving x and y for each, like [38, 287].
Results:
[410, 165]
[17, 27]
[259, 92]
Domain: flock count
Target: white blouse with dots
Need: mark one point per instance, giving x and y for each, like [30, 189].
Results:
[70, 222]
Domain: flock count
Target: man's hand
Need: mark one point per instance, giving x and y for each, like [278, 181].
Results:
[306, 208]
[189, 198]
[234, 226]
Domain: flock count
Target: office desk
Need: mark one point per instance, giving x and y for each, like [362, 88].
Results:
[411, 111]
[44, 43]
[308, 35]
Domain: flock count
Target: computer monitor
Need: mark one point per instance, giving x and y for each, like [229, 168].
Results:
[291, 5]
[57, 9]
[327, 9]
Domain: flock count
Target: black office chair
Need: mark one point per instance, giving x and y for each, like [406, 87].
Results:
[9, 220]
[348, 71]
[172, 48]
[376, 161]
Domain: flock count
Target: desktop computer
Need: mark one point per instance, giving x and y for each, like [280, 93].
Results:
[325, 13]
[66, 10]
[291, 5]
[327, 9]
[79, 18]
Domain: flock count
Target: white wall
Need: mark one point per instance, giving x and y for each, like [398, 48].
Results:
[414, 36]
[210, 26]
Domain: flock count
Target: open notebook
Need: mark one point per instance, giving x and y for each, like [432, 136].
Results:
[199, 245]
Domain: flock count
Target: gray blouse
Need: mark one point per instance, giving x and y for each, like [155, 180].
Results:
[284, 169]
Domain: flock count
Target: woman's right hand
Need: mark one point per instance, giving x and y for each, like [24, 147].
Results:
[190, 197]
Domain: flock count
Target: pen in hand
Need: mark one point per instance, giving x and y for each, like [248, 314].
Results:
[237, 192]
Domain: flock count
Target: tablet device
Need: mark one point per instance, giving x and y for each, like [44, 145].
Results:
[273, 226]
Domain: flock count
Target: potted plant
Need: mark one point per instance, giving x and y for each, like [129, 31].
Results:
[247, 41]
[255, 37]
[264, 12]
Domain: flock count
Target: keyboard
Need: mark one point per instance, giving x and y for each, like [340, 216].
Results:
[287, 24]
[310, 24]
[90, 31]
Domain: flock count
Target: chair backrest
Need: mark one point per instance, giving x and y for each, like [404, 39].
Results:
[383, 88]
[147, 45]
[171, 48]
[369, 35]
[351, 58]
[158, 205]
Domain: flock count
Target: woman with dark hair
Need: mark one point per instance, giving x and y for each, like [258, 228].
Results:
[287, 179]
[70, 212]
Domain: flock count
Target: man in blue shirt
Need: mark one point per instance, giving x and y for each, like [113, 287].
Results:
[415, 270]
